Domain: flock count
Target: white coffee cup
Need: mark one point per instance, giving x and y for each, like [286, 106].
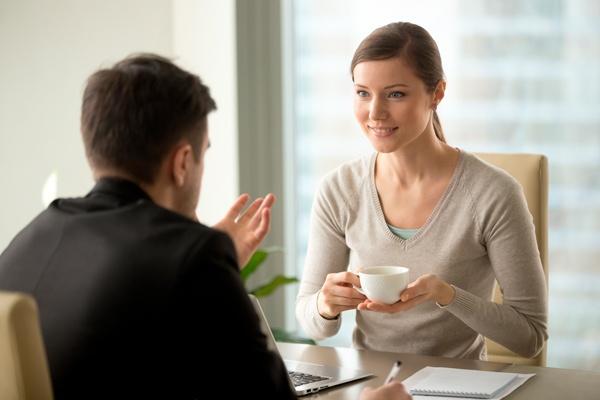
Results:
[383, 284]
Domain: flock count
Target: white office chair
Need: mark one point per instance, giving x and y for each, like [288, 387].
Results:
[531, 171]
[23, 364]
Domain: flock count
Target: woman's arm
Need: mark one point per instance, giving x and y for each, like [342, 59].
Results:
[327, 254]
[520, 322]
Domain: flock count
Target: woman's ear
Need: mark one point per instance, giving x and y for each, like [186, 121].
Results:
[181, 163]
[438, 93]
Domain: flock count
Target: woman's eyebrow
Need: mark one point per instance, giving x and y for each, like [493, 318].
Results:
[396, 84]
[387, 87]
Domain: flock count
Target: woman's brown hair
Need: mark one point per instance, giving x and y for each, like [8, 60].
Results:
[415, 46]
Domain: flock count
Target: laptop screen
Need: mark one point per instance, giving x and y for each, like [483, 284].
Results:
[305, 377]
[264, 325]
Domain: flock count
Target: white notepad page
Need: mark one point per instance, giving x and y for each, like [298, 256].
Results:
[454, 382]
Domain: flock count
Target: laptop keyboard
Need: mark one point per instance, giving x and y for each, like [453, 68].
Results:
[300, 378]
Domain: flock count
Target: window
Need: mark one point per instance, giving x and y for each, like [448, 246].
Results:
[522, 77]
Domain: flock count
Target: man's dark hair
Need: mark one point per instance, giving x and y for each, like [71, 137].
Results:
[135, 112]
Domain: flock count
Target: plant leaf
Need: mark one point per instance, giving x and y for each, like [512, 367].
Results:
[256, 261]
[270, 287]
[290, 337]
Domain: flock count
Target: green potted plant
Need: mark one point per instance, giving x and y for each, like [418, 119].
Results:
[266, 289]
[256, 261]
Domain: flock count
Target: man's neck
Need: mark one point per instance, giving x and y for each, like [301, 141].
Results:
[161, 190]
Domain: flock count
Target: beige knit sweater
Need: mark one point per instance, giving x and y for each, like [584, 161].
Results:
[481, 229]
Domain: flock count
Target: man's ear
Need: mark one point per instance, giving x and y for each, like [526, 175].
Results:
[181, 163]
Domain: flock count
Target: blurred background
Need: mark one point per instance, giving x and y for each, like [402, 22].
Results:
[523, 76]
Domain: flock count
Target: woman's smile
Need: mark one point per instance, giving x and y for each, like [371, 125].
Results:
[381, 131]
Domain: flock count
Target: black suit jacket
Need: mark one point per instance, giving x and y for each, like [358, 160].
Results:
[136, 301]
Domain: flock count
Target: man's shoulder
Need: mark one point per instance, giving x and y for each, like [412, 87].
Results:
[192, 237]
[142, 215]
[212, 241]
[146, 229]
[141, 232]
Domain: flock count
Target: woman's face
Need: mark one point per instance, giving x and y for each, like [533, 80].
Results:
[391, 104]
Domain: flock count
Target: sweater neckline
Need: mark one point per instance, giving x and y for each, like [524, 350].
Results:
[436, 210]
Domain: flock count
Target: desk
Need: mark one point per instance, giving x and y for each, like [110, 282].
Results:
[548, 384]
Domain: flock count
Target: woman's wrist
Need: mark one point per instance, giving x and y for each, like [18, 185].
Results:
[320, 307]
[445, 294]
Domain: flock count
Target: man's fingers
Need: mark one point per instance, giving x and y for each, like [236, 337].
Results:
[246, 215]
[237, 207]
[268, 201]
[265, 224]
[266, 204]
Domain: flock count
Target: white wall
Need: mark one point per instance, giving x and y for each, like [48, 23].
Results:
[47, 50]
[204, 40]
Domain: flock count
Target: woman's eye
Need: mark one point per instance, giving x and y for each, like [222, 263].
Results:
[396, 95]
[362, 93]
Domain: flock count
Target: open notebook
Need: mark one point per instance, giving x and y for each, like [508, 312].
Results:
[454, 382]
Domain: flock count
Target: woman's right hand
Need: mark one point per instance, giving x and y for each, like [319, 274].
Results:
[390, 391]
[338, 294]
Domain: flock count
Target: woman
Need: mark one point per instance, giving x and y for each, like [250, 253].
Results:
[455, 221]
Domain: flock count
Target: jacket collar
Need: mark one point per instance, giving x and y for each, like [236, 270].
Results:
[124, 190]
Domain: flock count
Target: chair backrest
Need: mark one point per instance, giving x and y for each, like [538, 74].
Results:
[531, 171]
[23, 364]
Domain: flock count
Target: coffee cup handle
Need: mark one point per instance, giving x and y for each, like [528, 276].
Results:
[359, 290]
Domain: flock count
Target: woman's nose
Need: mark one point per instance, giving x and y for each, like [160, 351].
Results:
[377, 110]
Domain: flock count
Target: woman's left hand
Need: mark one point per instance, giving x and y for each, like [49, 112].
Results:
[425, 288]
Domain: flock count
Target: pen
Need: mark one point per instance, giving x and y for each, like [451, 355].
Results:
[393, 372]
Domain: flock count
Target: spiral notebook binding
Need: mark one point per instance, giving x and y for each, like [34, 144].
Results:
[450, 393]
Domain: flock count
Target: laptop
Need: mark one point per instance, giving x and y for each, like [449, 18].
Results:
[306, 377]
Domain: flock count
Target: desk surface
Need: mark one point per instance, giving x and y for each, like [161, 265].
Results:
[548, 384]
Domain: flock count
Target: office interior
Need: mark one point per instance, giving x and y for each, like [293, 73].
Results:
[523, 77]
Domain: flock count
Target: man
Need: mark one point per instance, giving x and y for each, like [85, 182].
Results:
[138, 299]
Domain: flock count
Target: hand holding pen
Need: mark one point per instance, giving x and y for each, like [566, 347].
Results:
[390, 390]
[393, 372]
